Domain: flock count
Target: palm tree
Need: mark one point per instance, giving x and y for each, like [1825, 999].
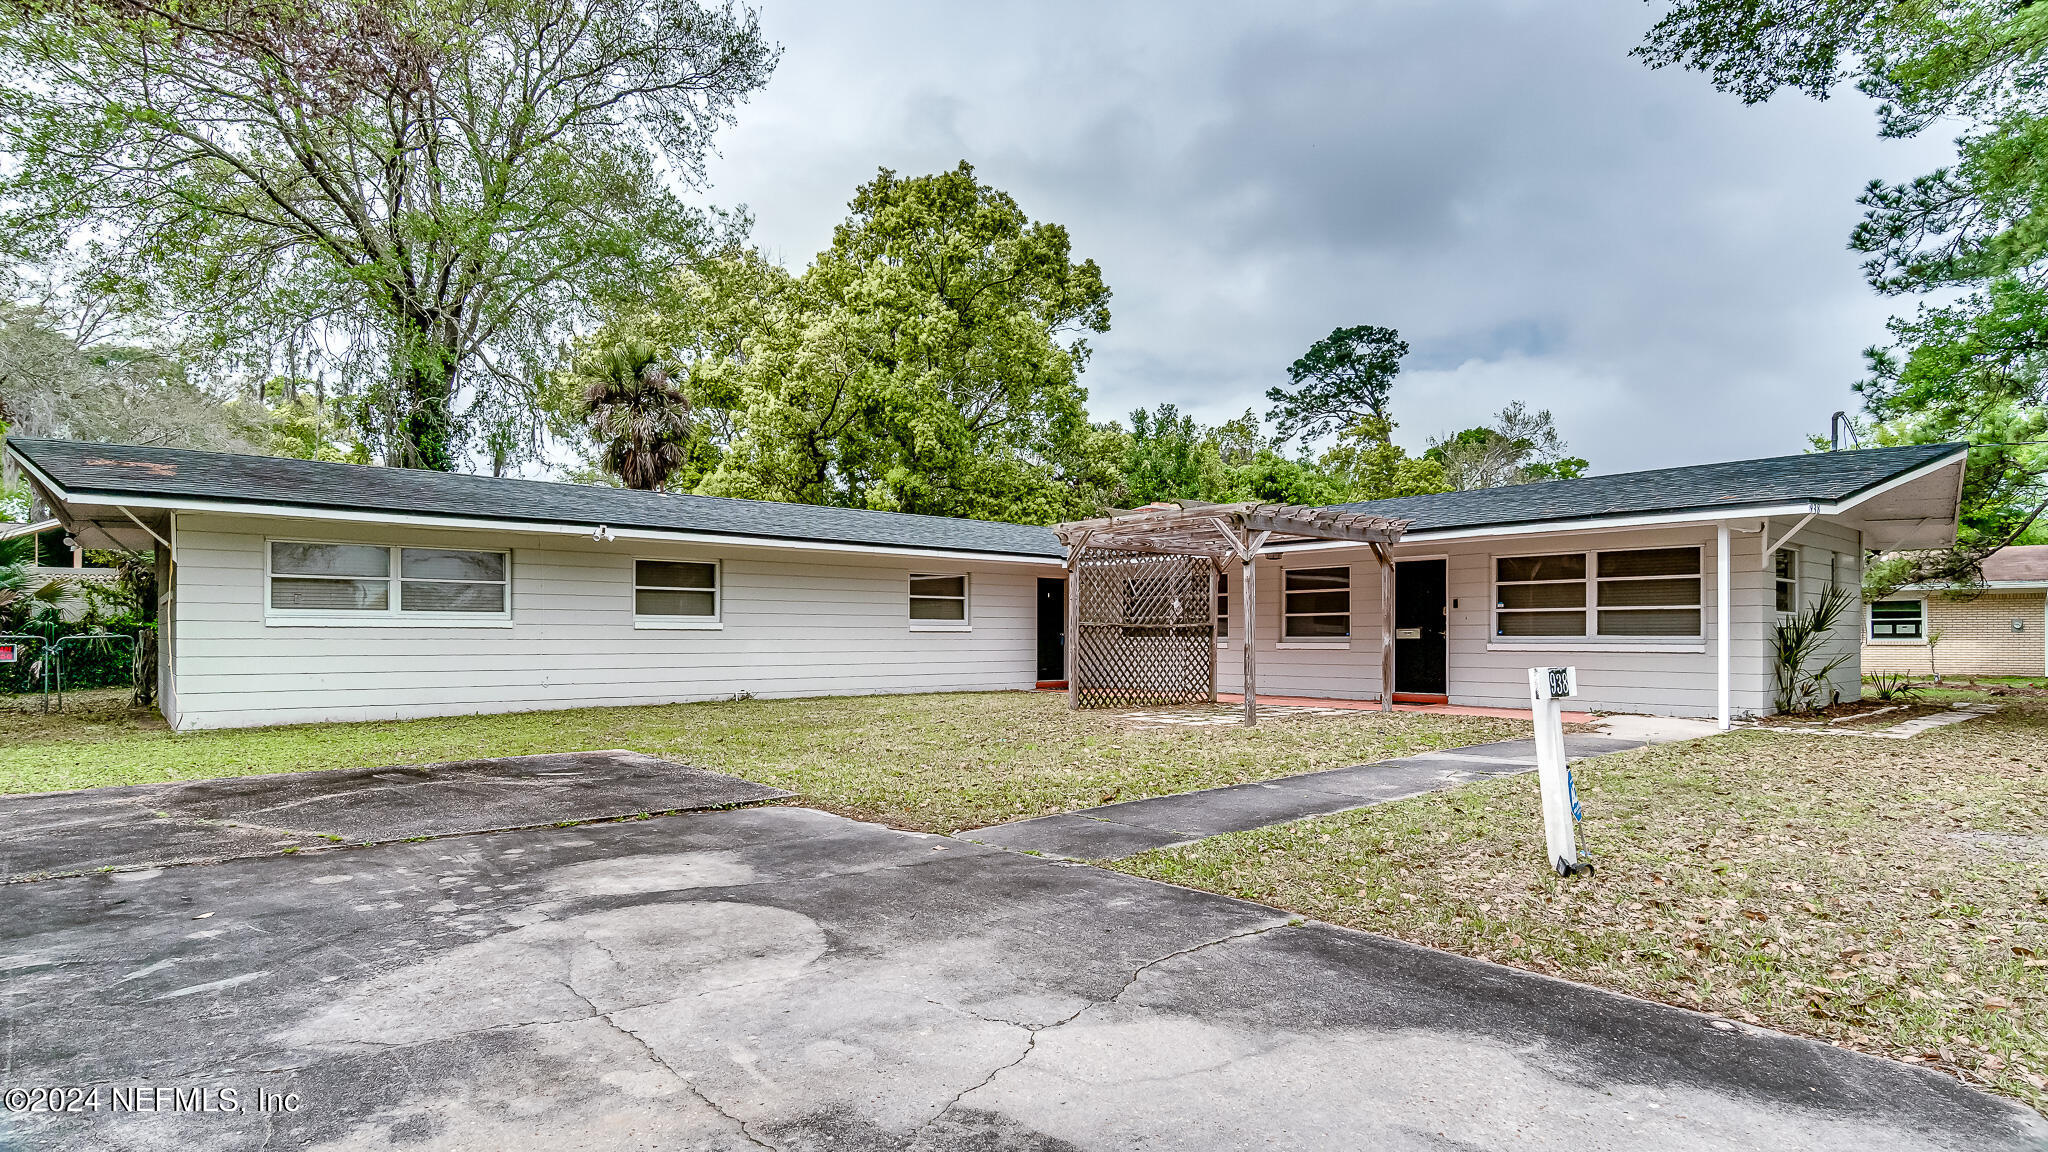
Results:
[22, 591]
[637, 413]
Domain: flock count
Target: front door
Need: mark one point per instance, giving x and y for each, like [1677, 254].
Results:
[1421, 626]
[1052, 628]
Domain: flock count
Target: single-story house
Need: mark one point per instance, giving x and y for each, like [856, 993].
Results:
[295, 591]
[2002, 631]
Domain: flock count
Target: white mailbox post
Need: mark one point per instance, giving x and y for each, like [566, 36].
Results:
[1548, 687]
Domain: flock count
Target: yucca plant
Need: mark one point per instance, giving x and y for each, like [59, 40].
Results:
[1890, 686]
[1796, 646]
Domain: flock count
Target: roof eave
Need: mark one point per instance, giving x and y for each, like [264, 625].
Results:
[88, 498]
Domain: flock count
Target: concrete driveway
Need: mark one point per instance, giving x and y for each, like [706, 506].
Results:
[783, 978]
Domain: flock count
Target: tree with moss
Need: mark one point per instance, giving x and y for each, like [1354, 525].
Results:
[437, 194]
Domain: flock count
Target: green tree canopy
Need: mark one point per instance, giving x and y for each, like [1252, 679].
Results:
[1343, 379]
[1974, 233]
[928, 361]
[434, 193]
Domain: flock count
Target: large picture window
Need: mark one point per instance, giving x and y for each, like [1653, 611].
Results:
[675, 592]
[1623, 594]
[1317, 604]
[1898, 620]
[369, 581]
[938, 601]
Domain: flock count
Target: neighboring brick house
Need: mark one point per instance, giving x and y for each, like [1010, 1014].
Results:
[2003, 632]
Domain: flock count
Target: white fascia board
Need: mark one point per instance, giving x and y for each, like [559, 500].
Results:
[1589, 524]
[413, 520]
[1936, 465]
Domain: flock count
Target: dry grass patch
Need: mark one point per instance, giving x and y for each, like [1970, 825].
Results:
[934, 763]
[1888, 896]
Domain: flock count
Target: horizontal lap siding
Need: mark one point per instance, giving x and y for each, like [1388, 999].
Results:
[1670, 682]
[794, 625]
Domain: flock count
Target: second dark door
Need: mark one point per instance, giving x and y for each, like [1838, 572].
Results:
[1052, 628]
[1421, 626]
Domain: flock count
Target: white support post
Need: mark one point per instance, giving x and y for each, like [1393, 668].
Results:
[1723, 630]
[1251, 637]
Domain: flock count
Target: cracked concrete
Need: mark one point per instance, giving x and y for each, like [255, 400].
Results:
[782, 978]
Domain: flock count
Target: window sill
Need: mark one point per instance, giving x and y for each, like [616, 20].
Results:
[655, 624]
[1682, 647]
[942, 627]
[1337, 645]
[368, 621]
[1894, 642]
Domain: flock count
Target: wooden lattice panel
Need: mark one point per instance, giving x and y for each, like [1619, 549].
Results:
[1145, 629]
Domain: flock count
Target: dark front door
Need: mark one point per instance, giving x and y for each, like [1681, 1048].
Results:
[1421, 654]
[1052, 628]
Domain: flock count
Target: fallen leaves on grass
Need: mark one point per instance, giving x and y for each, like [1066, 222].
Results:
[1888, 899]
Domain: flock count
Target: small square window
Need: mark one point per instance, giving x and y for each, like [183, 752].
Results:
[1898, 620]
[675, 589]
[937, 600]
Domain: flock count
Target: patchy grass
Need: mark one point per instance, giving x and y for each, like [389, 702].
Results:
[934, 763]
[1888, 896]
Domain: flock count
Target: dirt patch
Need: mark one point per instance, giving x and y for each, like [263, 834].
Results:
[1853, 714]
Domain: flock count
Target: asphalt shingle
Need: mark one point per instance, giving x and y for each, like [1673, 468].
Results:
[114, 470]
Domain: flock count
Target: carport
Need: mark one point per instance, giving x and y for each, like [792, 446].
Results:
[1141, 613]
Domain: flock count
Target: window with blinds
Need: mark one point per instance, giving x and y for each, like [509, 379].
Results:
[1620, 594]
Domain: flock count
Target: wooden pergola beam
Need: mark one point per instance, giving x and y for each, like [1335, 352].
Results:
[1223, 532]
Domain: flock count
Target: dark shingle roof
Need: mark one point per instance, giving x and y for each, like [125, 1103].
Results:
[1817, 476]
[115, 470]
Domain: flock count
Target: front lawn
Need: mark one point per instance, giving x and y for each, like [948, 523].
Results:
[1890, 896]
[935, 763]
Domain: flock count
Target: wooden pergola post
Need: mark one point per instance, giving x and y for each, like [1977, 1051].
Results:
[1251, 637]
[1380, 553]
[1220, 532]
[1215, 572]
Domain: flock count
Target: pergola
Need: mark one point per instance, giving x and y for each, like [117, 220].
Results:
[1219, 533]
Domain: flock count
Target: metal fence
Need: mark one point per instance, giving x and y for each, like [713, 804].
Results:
[1145, 629]
[47, 665]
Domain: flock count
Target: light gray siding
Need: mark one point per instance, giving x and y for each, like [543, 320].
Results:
[792, 624]
[1675, 679]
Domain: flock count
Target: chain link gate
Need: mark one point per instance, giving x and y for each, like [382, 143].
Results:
[1145, 629]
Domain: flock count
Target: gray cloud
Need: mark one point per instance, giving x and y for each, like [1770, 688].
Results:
[1543, 218]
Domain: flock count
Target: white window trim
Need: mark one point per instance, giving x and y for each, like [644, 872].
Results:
[712, 623]
[394, 616]
[966, 621]
[1286, 641]
[1798, 566]
[1870, 619]
[1591, 640]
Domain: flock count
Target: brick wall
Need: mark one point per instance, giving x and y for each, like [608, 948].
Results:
[1976, 638]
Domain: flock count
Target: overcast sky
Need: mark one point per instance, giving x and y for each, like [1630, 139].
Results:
[1542, 217]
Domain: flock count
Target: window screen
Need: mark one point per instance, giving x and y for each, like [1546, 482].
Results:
[1898, 620]
[444, 580]
[1318, 603]
[678, 589]
[1645, 593]
[330, 577]
[1649, 592]
[938, 599]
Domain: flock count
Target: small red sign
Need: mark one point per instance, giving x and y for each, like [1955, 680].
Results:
[6, 653]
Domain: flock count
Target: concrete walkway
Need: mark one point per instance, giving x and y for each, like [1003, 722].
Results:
[1135, 826]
